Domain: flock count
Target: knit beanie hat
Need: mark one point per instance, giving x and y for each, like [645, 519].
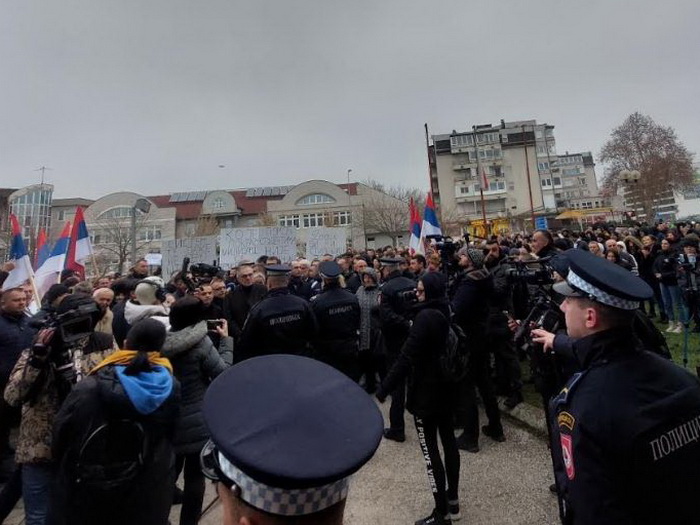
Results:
[476, 256]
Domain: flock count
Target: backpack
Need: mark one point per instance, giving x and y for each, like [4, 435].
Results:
[454, 361]
[111, 457]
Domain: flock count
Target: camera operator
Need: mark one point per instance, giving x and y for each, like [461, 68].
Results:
[507, 363]
[64, 350]
[148, 302]
[393, 313]
[470, 304]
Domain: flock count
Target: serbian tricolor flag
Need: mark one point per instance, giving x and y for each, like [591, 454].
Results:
[42, 249]
[49, 272]
[22, 272]
[79, 249]
[484, 180]
[414, 244]
[431, 226]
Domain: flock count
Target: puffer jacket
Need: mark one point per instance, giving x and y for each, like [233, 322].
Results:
[196, 363]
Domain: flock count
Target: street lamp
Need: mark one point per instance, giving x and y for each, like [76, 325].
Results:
[143, 206]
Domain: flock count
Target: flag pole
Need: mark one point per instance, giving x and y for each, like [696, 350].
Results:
[481, 184]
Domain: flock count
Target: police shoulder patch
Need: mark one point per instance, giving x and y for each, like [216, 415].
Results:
[566, 420]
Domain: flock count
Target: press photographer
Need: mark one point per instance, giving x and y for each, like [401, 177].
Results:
[65, 349]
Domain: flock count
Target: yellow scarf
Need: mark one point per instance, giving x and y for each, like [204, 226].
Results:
[124, 357]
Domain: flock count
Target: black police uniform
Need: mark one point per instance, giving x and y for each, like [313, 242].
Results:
[281, 323]
[626, 428]
[337, 313]
[393, 313]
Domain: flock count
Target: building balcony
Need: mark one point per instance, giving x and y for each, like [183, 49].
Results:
[460, 166]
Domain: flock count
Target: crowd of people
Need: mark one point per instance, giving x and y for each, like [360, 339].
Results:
[108, 379]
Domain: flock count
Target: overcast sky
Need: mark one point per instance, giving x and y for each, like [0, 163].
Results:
[153, 96]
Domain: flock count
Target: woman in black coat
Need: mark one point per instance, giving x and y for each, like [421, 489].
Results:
[431, 398]
[196, 363]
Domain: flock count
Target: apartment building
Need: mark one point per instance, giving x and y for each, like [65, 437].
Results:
[525, 176]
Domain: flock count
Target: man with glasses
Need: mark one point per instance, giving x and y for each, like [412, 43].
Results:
[238, 302]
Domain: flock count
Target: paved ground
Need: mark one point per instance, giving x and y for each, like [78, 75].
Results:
[504, 484]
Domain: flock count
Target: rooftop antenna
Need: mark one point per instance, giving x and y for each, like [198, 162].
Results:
[42, 170]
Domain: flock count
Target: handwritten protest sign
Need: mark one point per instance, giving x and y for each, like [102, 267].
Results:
[324, 240]
[198, 249]
[250, 243]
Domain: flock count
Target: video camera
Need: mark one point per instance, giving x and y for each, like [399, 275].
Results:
[447, 248]
[523, 272]
[544, 314]
[71, 325]
[197, 274]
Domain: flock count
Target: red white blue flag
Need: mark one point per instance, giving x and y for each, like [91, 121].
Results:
[22, 272]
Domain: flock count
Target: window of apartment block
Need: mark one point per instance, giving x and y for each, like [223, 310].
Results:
[464, 189]
[582, 181]
[486, 138]
[571, 171]
[497, 185]
[291, 221]
[556, 181]
[543, 166]
[341, 218]
[460, 141]
[546, 183]
[62, 215]
[311, 220]
[539, 134]
[494, 171]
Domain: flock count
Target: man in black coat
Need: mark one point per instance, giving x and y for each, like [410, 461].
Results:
[15, 336]
[239, 301]
[393, 313]
[337, 312]
[281, 323]
[626, 428]
[470, 305]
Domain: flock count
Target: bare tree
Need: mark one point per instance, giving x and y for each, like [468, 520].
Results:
[206, 225]
[267, 219]
[386, 209]
[654, 150]
[112, 237]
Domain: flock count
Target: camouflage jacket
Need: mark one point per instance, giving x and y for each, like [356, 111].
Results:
[38, 390]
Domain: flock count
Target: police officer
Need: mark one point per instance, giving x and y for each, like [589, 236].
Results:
[280, 323]
[626, 428]
[393, 313]
[296, 466]
[337, 313]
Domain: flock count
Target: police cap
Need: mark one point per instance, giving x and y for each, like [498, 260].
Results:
[391, 261]
[603, 281]
[287, 432]
[329, 269]
[277, 269]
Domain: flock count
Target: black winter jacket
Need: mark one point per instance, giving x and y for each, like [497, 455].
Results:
[666, 264]
[196, 363]
[471, 305]
[429, 394]
[94, 401]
